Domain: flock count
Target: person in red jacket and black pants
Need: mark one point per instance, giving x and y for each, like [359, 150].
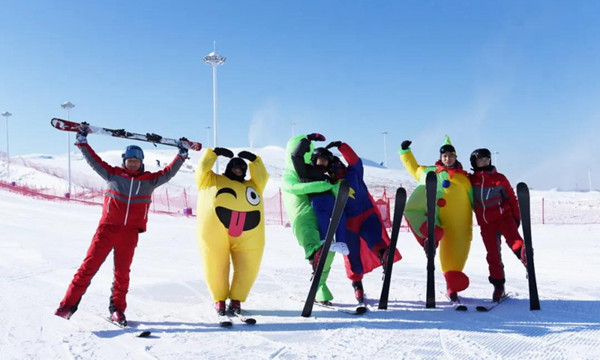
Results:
[124, 215]
[497, 212]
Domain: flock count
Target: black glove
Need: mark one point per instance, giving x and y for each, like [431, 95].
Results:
[223, 152]
[183, 151]
[81, 137]
[315, 137]
[84, 129]
[518, 222]
[336, 144]
[247, 155]
[405, 144]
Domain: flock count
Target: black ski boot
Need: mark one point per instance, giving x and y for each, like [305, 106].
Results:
[498, 289]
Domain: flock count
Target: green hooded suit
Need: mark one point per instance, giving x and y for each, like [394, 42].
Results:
[301, 214]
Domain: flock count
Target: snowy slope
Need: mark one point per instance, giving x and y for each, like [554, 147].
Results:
[42, 243]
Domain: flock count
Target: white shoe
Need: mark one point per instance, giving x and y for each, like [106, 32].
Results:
[340, 247]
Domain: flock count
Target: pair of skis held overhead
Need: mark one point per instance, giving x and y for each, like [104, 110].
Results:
[399, 204]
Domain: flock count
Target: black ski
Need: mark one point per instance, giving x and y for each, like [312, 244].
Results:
[359, 309]
[524, 206]
[399, 204]
[490, 306]
[458, 305]
[224, 320]
[140, 334]
[431, 189]
[338, 208]
[244, 317]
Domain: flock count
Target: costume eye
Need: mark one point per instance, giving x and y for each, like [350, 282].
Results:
[252, 196]
[226, 191]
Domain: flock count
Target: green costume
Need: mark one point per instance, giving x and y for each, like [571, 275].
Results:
[301, 214]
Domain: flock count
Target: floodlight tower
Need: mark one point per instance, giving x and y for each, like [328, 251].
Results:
[67, 105]
[207, 136]
[496, 158]
[214, 59]
[385, 163]
[6, 114]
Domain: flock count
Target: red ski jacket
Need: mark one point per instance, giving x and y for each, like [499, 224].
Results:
[129, 194]
[493, 197]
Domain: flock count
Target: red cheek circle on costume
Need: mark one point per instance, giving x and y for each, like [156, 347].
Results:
[441, 202]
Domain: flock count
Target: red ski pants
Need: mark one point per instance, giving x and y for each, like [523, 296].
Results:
[108, 237]
[491, 234]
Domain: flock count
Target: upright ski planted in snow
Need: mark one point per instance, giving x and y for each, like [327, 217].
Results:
[399, 204]
[431, 189]
[338, 208]
[72, 126]
[524, 206]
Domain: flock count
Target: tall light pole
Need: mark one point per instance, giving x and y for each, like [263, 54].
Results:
[384, 149]
[67, 105]
[6, 114]
[496, 159]
[207, 136]
[213, 59]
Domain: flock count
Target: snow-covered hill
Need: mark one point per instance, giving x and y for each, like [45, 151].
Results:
[51, 170]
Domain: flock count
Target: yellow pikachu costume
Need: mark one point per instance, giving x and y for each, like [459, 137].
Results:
[231, 226]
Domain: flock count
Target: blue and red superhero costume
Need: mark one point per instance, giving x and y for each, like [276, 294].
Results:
[363, 221]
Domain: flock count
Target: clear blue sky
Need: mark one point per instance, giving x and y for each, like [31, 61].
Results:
[519, 77]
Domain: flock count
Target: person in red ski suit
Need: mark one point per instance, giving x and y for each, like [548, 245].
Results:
[497, 213]
[124, 215]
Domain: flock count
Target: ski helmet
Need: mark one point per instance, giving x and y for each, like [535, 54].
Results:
[133, 151]
[236, 162]
[480, 154]
[337, 168]
[320, 152]
[447, 146]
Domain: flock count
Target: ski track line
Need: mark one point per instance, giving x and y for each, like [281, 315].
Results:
[277, 352]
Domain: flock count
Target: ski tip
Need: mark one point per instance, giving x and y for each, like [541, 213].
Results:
[360, 310]
[250, 321]
[225, 324]
[144, 334]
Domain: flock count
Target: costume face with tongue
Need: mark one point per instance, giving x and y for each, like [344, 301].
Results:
[238, 215]
[231, 225]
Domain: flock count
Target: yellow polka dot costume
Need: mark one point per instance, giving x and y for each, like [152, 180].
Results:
[454, 221]
[231, 227]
